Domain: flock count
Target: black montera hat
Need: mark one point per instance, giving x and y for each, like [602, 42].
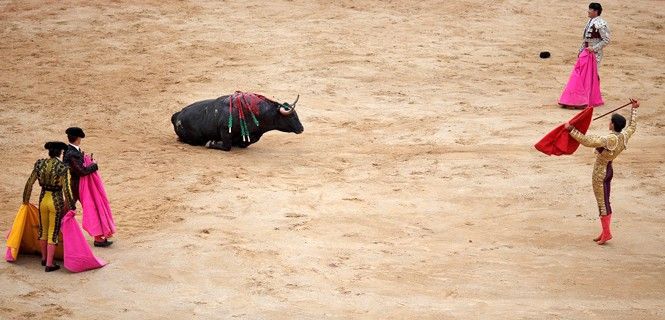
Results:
[75, 131]
[55, 145]
[544, 55]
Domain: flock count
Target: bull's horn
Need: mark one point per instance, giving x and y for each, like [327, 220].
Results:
[287, 109]
[293, 105]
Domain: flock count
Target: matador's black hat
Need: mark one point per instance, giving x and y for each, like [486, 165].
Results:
[544, 55]
[55, 145]
[75, 131]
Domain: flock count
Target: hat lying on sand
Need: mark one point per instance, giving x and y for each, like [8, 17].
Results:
[544, 54]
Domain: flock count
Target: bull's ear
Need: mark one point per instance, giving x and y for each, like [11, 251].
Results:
[285, 109]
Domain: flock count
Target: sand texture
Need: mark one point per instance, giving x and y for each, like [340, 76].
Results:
[414, 193]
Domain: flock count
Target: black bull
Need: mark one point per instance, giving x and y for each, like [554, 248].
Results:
[206, 123]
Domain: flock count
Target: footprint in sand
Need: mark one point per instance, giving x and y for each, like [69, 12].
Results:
[343, 290]
[57, 310]
[31, 294]
[295, 215]
[497, 247]
[299, 226]
[356, 199]
[465, 141]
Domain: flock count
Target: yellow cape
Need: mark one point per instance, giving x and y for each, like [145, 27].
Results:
[24, 235]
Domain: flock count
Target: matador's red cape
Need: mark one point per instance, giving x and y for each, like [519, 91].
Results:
[559, 142]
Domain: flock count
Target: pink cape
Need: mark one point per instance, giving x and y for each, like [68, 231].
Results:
[97, 217]
[559, 142]
[583, 88]
[78, 256]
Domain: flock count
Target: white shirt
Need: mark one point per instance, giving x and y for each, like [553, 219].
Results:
[77, 147]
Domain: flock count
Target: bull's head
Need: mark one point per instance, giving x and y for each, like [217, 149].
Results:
[289, 121]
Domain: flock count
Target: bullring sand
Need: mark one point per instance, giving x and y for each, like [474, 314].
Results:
[414, 192]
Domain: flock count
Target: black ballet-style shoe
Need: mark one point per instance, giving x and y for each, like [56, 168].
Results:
[43, 263]
[52, 268]
[103, 244]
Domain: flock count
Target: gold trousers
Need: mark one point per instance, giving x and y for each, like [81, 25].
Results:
[602, 179]
[51, 209]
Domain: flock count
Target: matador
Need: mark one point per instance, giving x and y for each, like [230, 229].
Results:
[607, 147]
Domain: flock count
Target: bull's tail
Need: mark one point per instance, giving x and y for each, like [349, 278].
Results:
[174, 117]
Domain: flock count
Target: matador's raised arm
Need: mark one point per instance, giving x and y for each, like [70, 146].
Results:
[632, 126]
[589, 140]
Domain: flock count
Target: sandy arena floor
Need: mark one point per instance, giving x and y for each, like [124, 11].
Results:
[414, 193]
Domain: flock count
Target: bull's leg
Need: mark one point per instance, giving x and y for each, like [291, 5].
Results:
[241, 144]
[224, 143]
[244, 144]
[219, 145]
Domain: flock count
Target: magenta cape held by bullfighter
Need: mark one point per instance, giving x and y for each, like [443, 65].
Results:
[583, 88]
[97, 217]
[78, 256]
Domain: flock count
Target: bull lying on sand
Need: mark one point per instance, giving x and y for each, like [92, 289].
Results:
[236, 120]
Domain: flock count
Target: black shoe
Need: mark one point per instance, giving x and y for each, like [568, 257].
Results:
[43, 263]
[106, 243]
[52, 268]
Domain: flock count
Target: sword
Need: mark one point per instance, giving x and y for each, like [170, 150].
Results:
[619, 108]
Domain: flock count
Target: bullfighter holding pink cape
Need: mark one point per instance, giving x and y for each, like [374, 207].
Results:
[583, 87]
[97, 217]
[88, 188]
